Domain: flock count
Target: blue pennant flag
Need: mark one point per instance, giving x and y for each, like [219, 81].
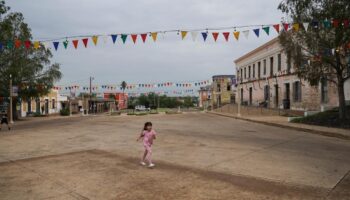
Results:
[256, 31]
[205, 35]
[114, 38]
[55, 44]
[1, 46]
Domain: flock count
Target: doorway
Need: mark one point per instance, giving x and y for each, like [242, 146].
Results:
[276, 96]
[46, 106]
[241, 95]
[250, 96]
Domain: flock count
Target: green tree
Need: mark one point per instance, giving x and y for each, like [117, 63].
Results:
[30, 68]
[321, 52]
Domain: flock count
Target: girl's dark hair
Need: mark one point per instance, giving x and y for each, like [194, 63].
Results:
[147, 124]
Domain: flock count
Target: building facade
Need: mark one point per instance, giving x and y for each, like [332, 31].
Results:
[265, 78]
[49, 104]
[204, 97]
[223, 90]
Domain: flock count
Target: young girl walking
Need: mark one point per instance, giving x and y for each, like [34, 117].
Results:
[148, 135]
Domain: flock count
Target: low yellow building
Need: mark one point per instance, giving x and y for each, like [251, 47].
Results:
[223, 90]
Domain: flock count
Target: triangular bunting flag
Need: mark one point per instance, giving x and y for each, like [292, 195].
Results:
[18, 43]
[205, 35]
[10, 44]
[277, 28]
[85, 41]
[257, 32]
[27, 44]
[183, 34]
[246, 33]
[134, 38]
[95, 39]
[296, 27]
[105, 37]
[236, 34]
[75, 43]
[346, 23]
[124, 36]
[285, 26]
[267, 30]
[144, 36]
[55, 44]
[327, 24]
[306, 26]
[36, 45]
[65, 44]
[194, 35]
[1, 46]
[215, 35]
[154, 36]
[314, 24]
[226, 35]
[114, 38]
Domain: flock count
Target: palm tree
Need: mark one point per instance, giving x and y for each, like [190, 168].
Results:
[123, 86]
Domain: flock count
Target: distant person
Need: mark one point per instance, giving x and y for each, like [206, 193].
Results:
[4, 120]
[148, 135]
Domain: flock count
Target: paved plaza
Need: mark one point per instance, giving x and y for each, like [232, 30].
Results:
[197, 156]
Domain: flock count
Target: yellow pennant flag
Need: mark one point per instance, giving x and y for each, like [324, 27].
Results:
[36, 44]
[296, 26]
[94, 39]
[183, 34]
[236, 34]
[154, 36]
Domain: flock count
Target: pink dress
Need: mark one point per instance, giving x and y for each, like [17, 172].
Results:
[148, 137]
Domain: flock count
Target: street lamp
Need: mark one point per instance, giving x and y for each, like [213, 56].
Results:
[11, 91]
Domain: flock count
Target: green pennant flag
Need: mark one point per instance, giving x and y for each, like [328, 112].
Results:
[124, 36]
[266, 29]
[326, 24]
[65, 44]
[10, 44]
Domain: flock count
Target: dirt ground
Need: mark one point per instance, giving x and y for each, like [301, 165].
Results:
[197, 156]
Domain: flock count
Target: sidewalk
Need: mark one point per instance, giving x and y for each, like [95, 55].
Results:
[282, 122]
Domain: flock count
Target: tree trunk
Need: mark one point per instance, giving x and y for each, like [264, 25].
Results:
[341, 97]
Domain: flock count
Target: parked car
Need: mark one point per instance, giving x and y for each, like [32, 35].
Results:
[142, 108]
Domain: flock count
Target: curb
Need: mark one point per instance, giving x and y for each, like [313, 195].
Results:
[312, 131]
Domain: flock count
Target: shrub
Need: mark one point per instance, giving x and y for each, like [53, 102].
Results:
[64, 112]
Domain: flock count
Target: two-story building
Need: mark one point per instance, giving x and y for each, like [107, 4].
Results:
[204, 97]
[223, 90]
[265, 78]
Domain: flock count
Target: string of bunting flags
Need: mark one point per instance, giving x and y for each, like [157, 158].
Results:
[236, 33]
[188, 84]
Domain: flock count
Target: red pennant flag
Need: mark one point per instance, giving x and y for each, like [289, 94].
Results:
[85, 41]
[286, 26]
[75, 43]
[277, 27]
[27, 44]
[335, 23]
[215, 35]
[134, 37]
[346, 23]
[18, 43]
[226, 35]
[144, 36]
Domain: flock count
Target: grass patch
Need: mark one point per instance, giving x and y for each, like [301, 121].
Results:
[141, 114]
[116, 113]
[170, 112]
[153, 112]
[328, 118]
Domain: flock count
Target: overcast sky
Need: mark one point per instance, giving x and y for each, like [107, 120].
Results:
[169, 59]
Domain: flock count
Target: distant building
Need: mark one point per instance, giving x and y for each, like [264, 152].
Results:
[223, 90]
[120, 98]
[205, 97]
[265, 78]
[49, 104]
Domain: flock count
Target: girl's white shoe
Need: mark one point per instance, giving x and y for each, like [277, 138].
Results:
[143, 163]
[151, 165]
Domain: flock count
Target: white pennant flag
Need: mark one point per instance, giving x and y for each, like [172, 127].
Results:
[105, 38]
[47, 45]
[246, 33]
[306, 26]
[194, 35]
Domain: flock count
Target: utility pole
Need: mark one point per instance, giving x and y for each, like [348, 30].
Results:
[11, 111]
[90, 95]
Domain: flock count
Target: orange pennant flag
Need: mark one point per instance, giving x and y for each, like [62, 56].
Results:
[75, 43]
[215, 35]
[183, 34]
[154, 36]
[94, 39]
[236, 34]
[134, 37]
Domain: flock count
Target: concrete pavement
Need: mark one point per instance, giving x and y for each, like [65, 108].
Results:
[198, 156]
